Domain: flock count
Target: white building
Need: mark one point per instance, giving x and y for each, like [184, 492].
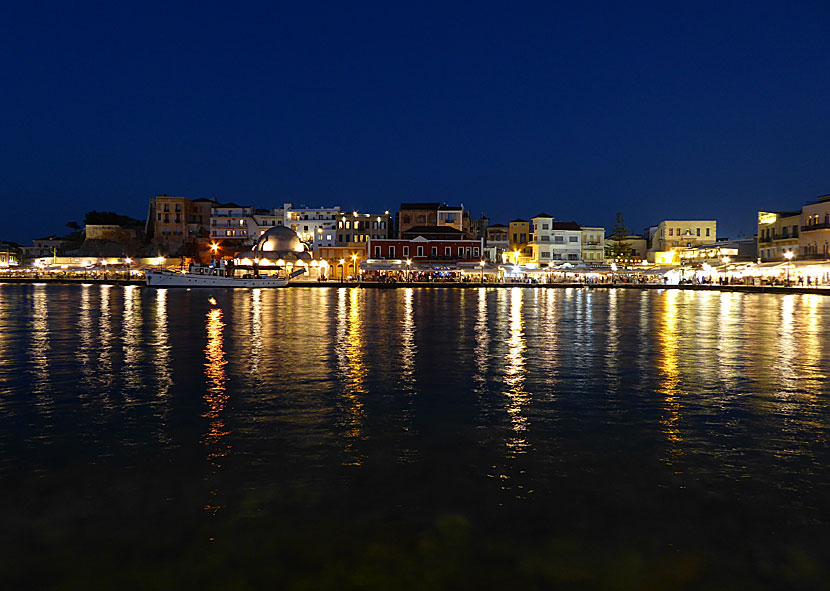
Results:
[233, 224]
[555, 242]
[315, 226]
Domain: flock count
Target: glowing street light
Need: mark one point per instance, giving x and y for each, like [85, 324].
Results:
[354, 262]
[481, 263]
[342, 266]
[408, 270]
[789, 256]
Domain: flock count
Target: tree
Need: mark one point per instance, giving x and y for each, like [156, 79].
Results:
[618, 247]
[73, 225]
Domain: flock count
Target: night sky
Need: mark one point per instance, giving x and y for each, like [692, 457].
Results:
[700, 110]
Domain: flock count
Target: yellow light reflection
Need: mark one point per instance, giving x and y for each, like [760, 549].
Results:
[86, 340]
[515, 374]
[408, 347]
[39, 350]
[351, 366]
[216, 398]
[482, 339]
[161, 358]
[670, 374]
[105, 339]
[131, 342]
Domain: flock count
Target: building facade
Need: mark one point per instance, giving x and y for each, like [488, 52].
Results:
[424, 250]
[358, 227]
[672, 236]
[593, 245]
[814, 237]
[233, 225]
[777, 234]
[317, 227]
[518, 236]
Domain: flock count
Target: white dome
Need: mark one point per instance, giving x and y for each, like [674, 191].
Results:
[279, 239]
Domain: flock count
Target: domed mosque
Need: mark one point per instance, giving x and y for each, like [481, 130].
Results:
[277, 247]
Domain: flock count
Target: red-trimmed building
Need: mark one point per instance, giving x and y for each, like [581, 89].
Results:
[426, 250]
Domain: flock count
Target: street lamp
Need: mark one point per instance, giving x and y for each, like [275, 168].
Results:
[354, 262]
[408, 270]
[342, 265]
[789, 256]
[481, 264]
[128, 260]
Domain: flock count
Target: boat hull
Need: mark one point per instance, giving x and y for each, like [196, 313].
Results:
[170, 279]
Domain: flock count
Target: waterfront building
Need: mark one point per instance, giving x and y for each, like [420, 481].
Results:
[478, 227]
[416, 214]
[669, 237]
[593, 245]
[496, 242]
[10, 255]
[814, 237]
[173, 221]
[423, 250]
[777, 234]
[316, 226]
[518, 236]
[432, 214]
[355, 227]
[41, 247]
[233, 226]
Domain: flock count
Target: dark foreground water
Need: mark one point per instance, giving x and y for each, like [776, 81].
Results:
[413, 439]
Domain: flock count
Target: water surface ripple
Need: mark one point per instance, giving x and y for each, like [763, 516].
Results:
[412, 438]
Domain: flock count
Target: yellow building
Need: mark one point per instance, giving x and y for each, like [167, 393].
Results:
[519, 238]
[777, 234]
[673, 236]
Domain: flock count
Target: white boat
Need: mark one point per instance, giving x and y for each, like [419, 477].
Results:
[215, 275]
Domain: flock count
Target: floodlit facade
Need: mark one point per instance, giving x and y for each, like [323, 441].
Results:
[317, 227]
[814, 238]
[672, 236]
[778, 234]
[593, 245]
[233, 224]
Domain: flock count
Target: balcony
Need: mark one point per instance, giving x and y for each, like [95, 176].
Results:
[812, 227]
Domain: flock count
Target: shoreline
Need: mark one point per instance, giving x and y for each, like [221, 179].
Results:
[470, 285]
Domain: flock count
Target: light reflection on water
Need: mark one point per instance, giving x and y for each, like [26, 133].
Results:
[216, 397]
[320, 395]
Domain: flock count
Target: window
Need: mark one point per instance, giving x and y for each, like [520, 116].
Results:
[522, 237]
[545, 254]
[392, 252]
[461, 252]
[447, 251]
[573, 238]
[671, 231]
[340, 225]
[698, 231]
[328, 236]
[573, 257]
[406, 219]
[475, 251]
[515, 237]
[707, 231]
[377, 252]
[406, 251]
[166, 217]
[166, 207]
[435, 251]
[468, 252]
[159, 217]
[419, 251]
[348, 225]
[559, 240]
[178, 207]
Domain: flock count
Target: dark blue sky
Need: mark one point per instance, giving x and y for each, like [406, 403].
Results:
[701, 110]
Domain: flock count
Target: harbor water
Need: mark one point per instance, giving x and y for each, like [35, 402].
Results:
[414, 438]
